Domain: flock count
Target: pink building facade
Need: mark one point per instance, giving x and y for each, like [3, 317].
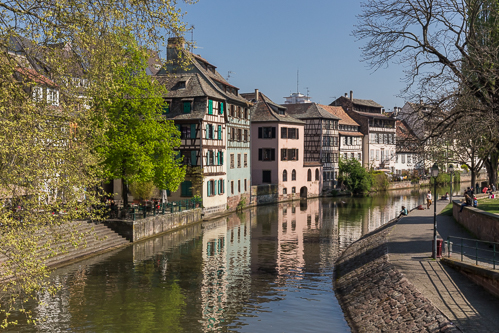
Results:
[277, 148]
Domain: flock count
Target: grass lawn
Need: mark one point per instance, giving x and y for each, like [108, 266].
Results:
[447, 210]
[489, 205]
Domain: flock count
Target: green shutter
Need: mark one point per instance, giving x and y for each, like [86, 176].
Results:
[193, 157]
[187, 107]
[212, 132]
[209, 188]
[166, 108]
[210, 106]
[221, 108]
[221, 158]
[193, 131]
[218, 158]
[216, 187]
[207, 131]
[219, 132]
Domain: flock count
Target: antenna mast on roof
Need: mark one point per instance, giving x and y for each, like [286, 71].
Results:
[297, 81]
[192, 38]
[307, 91]
[229, 73]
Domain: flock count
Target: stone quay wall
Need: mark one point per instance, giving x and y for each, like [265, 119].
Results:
[483, 225]
[154, 225]
[375, 297]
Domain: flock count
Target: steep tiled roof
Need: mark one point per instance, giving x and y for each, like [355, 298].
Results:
[308, 111]
[373, 115]
[341, 114]
[344, 133]
[195, 86]
[366, 102]
[265, 110]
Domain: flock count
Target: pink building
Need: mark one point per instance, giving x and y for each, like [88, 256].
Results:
[277, 149]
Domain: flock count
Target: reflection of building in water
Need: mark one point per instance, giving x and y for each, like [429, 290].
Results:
[226, 268]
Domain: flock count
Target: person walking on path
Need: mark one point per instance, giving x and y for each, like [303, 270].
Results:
[428, 200]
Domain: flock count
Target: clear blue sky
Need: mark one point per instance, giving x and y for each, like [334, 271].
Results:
[264, 43]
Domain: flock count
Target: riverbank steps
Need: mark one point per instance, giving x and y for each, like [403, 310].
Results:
[375, 297]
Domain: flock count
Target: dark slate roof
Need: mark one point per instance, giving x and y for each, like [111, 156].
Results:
[153, 62]
[265, 110]
[366, 102]
[195, 86]
[340, 113]
[308, 111]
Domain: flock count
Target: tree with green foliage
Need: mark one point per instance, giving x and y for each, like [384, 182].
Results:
[57, 59]
[354, 176]
[139, 143]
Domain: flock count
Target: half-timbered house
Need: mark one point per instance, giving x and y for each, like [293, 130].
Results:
[378, 148]
[199, 100]
[277, 146]
[321, 139]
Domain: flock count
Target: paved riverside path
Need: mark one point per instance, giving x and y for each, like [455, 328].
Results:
[468, 306]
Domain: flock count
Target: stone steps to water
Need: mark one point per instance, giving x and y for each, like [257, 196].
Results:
[100, 239]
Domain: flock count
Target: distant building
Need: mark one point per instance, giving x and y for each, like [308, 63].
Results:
[297, 98]
[409, 155]
[378, 149]
[277, 147]
[321, 138]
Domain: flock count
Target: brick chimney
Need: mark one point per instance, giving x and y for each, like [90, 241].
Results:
[256, 95]
[175, 44]
[351, 95]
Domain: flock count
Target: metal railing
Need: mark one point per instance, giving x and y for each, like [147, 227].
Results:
[481, 252]
[135, 212]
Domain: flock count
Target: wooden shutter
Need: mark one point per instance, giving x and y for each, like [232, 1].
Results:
[194, 157]
[259, 132]
[221, 108]
[187, 107]
[219, 132]
[207, 136]
[210, 106]
[215, 187]
[193, 131]
[209, 188]
[212, 132]
[221, 158]
[218, 158]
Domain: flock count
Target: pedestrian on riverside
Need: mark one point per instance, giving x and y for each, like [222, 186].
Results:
[477, 188]
[428, 200]
[404, 211]
[493, 187]
[475, 202]
[467, 201]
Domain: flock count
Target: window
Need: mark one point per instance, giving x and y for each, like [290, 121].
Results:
[266, 154]
[382, 155]
[372, 154]
[219, 132]
[284, 176]
[284, 133]
[211, 156]
[289, 133]
[266, 176]
[52, 96]
[239, 185]
[246, 113]
[221, 189]
[284, 191]
[309, 175]
[239, 135]
[408, 159]
[187, 107]
[185, 131]
[289, 154]
[37, 94]
[317, 174]
[211, 188]
[186, 189]
[359, 156]
[238, 160]
[166, 108]
[293, 190]
[377, 155]
[293, 174]
[232, 161]
[245, 135]
[231, 187]
[402, 158]
[209, 131]
[245, 186]
[221, 110]
[266, 132]
[352, 155]
[245, 160]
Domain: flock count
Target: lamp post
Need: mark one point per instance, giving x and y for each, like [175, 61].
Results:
[451, 170]
[434, 174]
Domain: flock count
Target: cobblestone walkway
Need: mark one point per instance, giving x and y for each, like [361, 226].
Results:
[468, 306]
[376, 297]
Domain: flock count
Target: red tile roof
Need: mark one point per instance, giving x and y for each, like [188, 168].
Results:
[340, 113]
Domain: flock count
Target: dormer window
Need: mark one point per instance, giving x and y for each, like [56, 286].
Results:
[181, 85]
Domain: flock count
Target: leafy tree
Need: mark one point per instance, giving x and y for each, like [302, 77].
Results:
[50, 168]
[355, 176]
[138, 145]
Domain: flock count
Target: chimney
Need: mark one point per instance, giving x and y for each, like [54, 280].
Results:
[256, 95]
[351, 95]
[346, 95]
[175, 44]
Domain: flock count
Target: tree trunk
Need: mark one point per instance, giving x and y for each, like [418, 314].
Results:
[473, 178]
[491, 164]
[124, 192]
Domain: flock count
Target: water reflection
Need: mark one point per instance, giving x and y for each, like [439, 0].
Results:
[269, 268]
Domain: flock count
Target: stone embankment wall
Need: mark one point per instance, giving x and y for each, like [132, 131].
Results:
[483, 225]
[377, 298]
[154, 225]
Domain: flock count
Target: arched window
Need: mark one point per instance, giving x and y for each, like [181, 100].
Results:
[317, 174]
[309, 175]
[293, 175]
[284, 176]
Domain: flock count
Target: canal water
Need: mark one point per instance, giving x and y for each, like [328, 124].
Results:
[268, 269]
